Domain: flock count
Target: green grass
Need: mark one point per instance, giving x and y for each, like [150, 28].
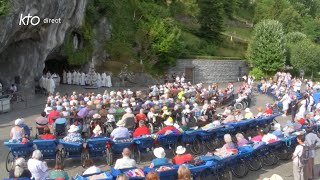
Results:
[243, 33]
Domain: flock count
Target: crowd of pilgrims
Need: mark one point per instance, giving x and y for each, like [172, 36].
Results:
[287, 90]
[169, 107]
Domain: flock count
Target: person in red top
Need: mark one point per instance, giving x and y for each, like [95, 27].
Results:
[47, 134]
[141, 130]
[181, 157]
[140, 116]
[169, 127]
[268, 110]
[53, 115]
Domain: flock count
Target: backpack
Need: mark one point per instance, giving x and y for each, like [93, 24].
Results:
[303, 159]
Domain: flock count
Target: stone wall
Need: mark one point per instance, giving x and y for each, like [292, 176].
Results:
[208, 71]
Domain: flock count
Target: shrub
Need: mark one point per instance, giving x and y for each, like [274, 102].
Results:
[257, 73]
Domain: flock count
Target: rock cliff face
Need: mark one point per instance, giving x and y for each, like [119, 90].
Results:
[24, 48]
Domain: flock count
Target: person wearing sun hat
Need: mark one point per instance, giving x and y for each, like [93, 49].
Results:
[169, 127]
[73, 135]
[181, 156]
[129, 118]
[160, 159]
[121, 131]
[17, 132]
[248, 114]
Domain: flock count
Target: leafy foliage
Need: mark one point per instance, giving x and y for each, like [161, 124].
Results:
[211, 19]
[295, 37]
[257, 73]
[305, 55]
[267, 49]
[4, 7]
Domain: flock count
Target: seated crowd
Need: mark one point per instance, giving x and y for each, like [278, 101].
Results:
[127, 114]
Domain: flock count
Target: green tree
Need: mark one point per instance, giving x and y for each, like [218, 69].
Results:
[229, 7]
[291, 20]
[4, 7]
[305, 55]
[211, 19]
[266, 50]
[262, 10]
[295, 37]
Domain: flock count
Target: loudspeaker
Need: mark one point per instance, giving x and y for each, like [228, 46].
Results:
[17, 79]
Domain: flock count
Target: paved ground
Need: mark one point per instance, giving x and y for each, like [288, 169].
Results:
[35, 104]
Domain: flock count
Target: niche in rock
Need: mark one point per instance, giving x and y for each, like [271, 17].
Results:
[76, 41]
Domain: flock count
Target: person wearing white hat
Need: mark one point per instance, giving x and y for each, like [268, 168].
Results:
[38, 168]
[121, 131]
[160, 159]
[17, 132]
[97, 131]
[129, 119]
[248, 114]
[181, 156]
[73, 135]
[274, 177]
[20, 169]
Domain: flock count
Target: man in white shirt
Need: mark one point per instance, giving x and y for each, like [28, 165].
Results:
[125, 161]
[38, 169]
[297, 165]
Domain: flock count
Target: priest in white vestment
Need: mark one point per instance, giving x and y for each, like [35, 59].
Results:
[69, 77]
[79, 78]
[51, 86]
[109, 83]
[83, 79]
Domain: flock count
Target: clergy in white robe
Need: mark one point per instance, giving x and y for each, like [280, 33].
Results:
[103, 80]
[74, 77]
[46, 83]
[109, 83]
[99, 80]
[83, 79]
[51, 86]
[79, 78]
[86, 79]
[64, 77]
[69, 77]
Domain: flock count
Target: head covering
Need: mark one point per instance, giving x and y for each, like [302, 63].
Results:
[159, 152]
[97, 130]
[19, 121]
[180, 150]
[73, 128]
[169, 121]
[121, 123]
[247, 110]
[165, 108]
[128, 110]
[110, 118]
[195, 105]
[274, 177]
[96, 116]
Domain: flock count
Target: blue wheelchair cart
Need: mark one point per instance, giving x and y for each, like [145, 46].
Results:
[97, 147]
[142, 145]
[49, 149]
[17, 150]
[73, 150]
[169, 141]
[190, 140]
[107, 175]
[115, 147]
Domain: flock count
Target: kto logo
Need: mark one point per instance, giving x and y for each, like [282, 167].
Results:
[26, 20]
